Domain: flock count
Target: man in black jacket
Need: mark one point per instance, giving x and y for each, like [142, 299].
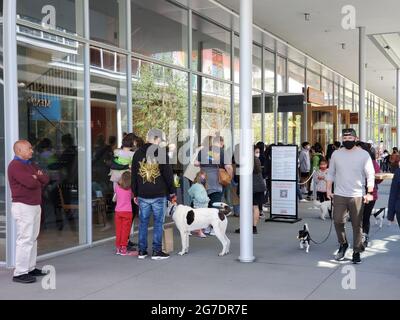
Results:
[152, 183]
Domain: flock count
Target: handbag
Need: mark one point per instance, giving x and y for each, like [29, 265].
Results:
[224, 178]
[259, 183]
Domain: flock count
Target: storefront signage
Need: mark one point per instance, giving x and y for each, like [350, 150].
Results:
[45, 107]
[353, 117]
[315, 96]
[283, 206]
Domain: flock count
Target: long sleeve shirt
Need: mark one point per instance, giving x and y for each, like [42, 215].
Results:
[24, 187]
[349, 169]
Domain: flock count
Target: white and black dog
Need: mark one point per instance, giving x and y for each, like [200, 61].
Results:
[304, 237]
[188, 219]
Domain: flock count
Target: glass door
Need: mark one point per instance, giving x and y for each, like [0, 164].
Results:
[322, 125]
[343, 121]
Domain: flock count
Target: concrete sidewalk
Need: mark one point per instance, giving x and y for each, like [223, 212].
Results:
[281, 271]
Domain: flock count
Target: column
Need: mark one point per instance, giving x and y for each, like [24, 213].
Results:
[397, 107]
[246, 132]
[11, 125]
[361, 91]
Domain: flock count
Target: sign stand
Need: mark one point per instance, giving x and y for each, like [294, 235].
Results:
[283, 204]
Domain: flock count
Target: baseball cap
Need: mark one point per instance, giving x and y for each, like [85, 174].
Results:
[155, 133]
[349, 132]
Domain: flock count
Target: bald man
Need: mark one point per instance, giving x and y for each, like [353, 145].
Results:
[26, 182]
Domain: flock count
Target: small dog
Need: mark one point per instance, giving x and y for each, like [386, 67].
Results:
[188, 219]
[304, 237]
[379, 215]
[325, 208]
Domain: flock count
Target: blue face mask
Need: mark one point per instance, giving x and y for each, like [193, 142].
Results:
[203, 181]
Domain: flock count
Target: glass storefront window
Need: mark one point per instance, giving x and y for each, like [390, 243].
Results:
[296, 78]
[211, 109]
[109, 121]
[62, 15]
[313, 80]
[159, 30]
[107, 22]
[51, 117]
[269, 122]
[211, 48]
[269, 71]
[257, 65]
[2, 155]
[348, 100]
[281, 72]
[327, 89]
[256, 117]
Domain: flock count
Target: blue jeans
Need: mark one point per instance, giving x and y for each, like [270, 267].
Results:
[146, 207]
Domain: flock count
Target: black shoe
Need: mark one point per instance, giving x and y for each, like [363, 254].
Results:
[365, 243]
[24, 278]
[255, 230]
[142, 254]
[342, 251]
[37, 273]
[159, 255]
[131, 246]
[237, 230]
[356, 258]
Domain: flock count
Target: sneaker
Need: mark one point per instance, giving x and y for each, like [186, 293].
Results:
[237, 230]
[342, 251]
[142, 254]
[37, 273]
[125, 252]
[117, 251]
[255, 230]
[24, 278]
[159, 255]
[212, 232]
[356, 258]
[131, 246]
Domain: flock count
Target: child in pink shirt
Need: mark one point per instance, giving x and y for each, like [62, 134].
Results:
[123, 214]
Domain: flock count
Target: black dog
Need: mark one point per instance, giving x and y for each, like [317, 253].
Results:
[304, 237]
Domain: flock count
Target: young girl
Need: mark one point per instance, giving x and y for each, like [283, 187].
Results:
[198, 195]
[123, 214]
[320, 180]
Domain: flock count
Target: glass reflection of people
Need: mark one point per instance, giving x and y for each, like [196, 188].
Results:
[102, 155]
[67, 164]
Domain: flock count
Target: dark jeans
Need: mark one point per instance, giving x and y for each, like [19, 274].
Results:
[368, 207]
[214, 197]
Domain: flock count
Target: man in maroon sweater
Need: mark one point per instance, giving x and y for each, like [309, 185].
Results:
[26, 182]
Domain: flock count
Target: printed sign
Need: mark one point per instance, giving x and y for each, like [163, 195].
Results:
[284, 198]
[284, 162]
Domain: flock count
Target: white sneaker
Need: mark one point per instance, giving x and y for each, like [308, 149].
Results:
[212, 233]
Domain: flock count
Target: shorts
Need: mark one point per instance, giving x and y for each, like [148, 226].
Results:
[258, 199]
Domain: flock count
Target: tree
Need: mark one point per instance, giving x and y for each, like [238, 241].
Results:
[159, 97]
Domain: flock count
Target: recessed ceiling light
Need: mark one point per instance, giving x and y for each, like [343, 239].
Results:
[343, 45]
[307, 16]
[387, 47]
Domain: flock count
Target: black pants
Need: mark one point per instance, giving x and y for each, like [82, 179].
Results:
[322, 197]
[368, 207]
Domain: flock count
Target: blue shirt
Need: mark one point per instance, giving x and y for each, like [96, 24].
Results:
[22, 160]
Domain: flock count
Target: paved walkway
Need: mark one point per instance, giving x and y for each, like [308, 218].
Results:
[281, 271]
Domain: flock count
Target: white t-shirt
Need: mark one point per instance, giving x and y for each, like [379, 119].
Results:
[349, 169]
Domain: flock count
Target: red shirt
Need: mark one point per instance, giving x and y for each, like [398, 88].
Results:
[24, 187]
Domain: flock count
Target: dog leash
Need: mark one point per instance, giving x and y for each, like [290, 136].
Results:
[330, 229]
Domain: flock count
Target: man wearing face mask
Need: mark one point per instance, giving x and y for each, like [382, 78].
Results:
[349, 168]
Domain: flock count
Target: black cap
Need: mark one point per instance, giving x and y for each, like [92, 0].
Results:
[350, 132]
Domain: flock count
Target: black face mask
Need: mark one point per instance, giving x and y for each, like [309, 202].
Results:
[349, 144]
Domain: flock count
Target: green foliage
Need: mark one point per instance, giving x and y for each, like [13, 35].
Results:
[159, 97]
